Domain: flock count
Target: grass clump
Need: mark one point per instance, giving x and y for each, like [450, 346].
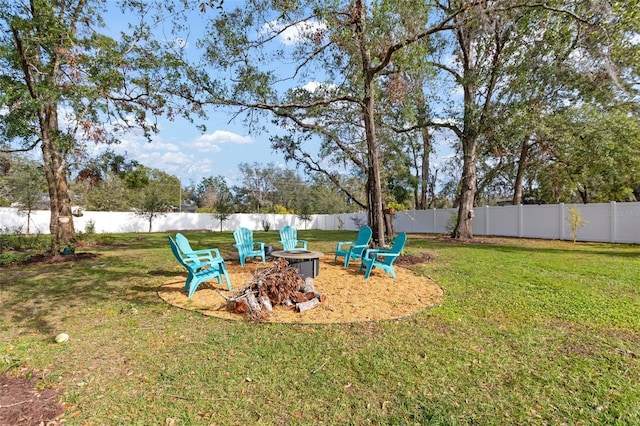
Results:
[530, 332]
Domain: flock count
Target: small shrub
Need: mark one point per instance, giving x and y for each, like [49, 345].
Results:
[4, 242]
[575, 221]
[90, 227]
[106, 239]
[38, 242]
[266, 225]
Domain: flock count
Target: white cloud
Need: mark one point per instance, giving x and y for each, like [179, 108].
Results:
[314, 86]
[311, 86]
[180, 43]
[293, 34]
[211, 141]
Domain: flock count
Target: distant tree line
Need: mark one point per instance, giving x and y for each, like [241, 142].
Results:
[111, 182]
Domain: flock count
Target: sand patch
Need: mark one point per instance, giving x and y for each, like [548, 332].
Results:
[350, 298]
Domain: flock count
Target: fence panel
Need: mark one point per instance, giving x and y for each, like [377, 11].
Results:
[542, 221]
[607, 222]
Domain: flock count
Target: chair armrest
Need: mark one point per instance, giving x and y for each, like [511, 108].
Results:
[341, 243]
[376, 253]
[195, 266]
[358, 246]
[304, 243]
[387, 254]
[261, 245]
[211, 255]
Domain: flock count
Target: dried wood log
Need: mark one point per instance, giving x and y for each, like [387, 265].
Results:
[320, 296]
[266, 304]
[252, 301]
[238, 307]
[309, 304]
[307, 286]
[298, 297]
[279, 284]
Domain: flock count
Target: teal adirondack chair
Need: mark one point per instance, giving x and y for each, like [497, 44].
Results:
[354, 249]
[289, 239]
[199, 272]
[383, 258]
[247, 248]
[211, 256]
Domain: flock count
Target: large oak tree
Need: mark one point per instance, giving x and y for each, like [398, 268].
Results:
[65, 83]
[321, 82]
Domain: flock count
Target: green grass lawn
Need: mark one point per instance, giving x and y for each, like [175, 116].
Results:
[529, 333]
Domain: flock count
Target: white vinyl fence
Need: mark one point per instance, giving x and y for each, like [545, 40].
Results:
[605, 222]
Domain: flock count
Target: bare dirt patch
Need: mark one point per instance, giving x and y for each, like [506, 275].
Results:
[350, 298]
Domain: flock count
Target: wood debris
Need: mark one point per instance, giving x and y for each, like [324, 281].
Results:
[279, 284]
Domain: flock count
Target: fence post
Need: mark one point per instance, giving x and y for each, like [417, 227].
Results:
[433, 224]
[486, 220]
[520, 223]
[561, 207]
[612, 221]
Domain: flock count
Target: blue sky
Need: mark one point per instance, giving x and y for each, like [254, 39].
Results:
[180, 149]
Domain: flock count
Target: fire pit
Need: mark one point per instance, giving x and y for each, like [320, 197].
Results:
[305, 261]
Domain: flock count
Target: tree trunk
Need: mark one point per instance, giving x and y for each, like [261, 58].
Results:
[53, 149]
[61, 222]
[368, 111]
[464, 227]
[522, 162]
[424, 181]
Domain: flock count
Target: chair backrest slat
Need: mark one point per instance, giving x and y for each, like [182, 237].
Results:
[396, 248]
[364, 236]
[243, 236]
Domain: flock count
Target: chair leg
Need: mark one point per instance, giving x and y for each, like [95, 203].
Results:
[223, 271]
[194, 285]
[187, 283]
[368, 271]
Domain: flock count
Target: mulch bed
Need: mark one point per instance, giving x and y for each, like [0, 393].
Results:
[23, 404]
[45, 259]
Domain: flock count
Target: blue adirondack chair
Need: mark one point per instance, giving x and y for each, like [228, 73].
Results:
[354, 249]
[211, 256]
[289, 239]
[198, 272]
[383, 258]
[247, 248]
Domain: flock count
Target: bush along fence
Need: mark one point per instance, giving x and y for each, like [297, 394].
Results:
[603, 222]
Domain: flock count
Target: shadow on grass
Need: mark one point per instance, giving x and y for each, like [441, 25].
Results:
[34, 298]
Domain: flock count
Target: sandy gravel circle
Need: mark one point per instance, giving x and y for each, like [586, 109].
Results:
[350, 298]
